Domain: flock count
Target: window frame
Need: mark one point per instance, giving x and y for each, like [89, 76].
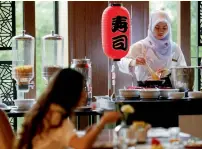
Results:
[30, 27]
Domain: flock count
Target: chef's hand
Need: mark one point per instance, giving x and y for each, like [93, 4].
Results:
[138, 61]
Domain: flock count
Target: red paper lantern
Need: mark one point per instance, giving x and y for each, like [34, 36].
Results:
[116, 31]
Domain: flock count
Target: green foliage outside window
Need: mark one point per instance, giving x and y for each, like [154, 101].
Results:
[44, 25]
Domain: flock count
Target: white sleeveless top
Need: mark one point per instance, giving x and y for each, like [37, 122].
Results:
[57, 138]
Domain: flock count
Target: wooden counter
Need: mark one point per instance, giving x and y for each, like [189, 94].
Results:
[162, 113]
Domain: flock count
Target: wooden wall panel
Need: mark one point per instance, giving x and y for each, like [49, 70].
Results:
[77, 25]
[185, 31]
[85, 37]
[94, 46]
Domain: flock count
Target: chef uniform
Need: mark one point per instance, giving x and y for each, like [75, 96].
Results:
[159, 54]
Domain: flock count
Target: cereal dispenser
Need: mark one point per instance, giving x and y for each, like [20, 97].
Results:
[23, 62]
[52, 55]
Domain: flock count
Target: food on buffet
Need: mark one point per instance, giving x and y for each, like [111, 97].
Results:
[141, 127]
[48, 71]
[159, 74]
[156, 144]
[127, 109]
[154, 76]
[23, 74]
[134, 87]
[174, 140]
[162, 87]
[24, 71]
[162, 72]
[192, 144]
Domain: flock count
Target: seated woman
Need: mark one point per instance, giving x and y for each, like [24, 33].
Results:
[6, 133]
[48, 124]
[157, 50]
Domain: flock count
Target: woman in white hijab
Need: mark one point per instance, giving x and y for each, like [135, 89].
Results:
[157, 50]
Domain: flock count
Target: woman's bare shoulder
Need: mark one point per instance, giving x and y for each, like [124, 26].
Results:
[3, 115]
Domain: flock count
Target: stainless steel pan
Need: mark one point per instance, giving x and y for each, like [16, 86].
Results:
[182, 78]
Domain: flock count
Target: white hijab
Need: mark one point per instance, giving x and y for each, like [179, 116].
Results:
[162, 48]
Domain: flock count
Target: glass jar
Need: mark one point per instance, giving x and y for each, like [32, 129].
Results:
[124, 136]
[23, 60]
[52, 55]
[84, 67]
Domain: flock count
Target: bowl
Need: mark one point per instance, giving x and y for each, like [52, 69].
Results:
[165, 92]
[129, 93]
[104, 102]
[149, 93]
[24, 104]
[176, 95]
[195, 95]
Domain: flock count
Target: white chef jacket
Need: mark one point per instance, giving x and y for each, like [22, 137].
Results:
[138, 49]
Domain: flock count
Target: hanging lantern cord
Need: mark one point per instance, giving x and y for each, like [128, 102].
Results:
[113, 74]
[115, 3]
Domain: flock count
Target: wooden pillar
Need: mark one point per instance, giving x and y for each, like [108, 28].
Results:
[184, 30]
[29, 26]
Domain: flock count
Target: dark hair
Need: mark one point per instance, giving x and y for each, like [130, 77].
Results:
[64, 90]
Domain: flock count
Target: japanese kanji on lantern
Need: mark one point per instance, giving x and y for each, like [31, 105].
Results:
[116, 31]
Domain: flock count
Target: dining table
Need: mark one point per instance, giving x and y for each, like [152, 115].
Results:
[105, 139]
[91, 114]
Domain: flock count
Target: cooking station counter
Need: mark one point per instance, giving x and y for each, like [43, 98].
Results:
[162, 113]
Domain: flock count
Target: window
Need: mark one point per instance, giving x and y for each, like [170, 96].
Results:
[7, 54]
[194, 53]
[44, 24]
[63, 28]
[194, 39]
